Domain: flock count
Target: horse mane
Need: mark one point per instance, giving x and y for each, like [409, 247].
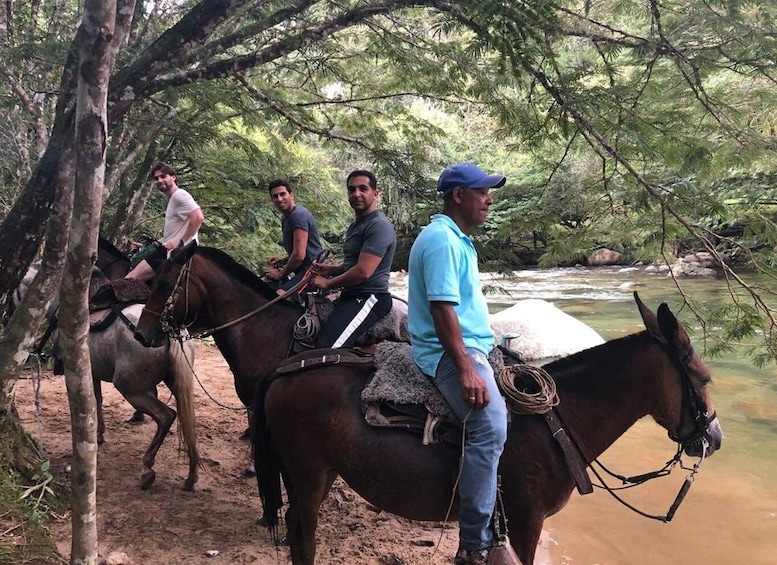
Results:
[572, 365]
[110, 248]
[240, 272]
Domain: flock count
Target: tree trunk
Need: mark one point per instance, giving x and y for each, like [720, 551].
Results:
[22, 329]
[95, 63]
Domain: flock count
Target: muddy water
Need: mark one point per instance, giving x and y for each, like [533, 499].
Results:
[730, 514]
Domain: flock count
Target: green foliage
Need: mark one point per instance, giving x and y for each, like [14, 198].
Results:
[29, 496]
[648, 129]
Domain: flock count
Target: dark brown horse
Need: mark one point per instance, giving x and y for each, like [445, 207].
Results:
[113, 263]
[207, 289]
[310, 425]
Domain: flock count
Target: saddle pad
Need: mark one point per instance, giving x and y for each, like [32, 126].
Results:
[398, 380]
[120, 291]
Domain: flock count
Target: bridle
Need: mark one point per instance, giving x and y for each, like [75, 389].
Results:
[167, 320]
[165, 317]
[691, 403]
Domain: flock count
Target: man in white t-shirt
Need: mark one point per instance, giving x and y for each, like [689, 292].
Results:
[183, 218]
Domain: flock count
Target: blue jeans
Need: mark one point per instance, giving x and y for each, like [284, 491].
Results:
[486, 433]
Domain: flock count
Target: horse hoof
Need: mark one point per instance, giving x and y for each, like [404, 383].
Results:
[261, 521]
[147, 479]
[137, 418]
[249, 471]
[189, 485]
[284, 541]
[246, 435]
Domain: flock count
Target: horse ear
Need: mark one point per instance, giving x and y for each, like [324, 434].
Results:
[648, 316]
[183, 253]
[668, 323]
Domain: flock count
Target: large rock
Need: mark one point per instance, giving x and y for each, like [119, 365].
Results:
[603, 256]
[542, 331]
[699, 264]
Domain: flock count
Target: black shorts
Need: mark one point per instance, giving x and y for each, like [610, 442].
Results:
[353, 315]
[157, 257]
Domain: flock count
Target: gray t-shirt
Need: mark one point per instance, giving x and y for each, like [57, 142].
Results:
[301, 218]
[373, 234]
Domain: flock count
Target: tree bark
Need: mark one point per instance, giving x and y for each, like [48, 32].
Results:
[96, 58]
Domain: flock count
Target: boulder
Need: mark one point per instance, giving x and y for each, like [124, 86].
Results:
[541, 331]
[602, 257]
[700, 264]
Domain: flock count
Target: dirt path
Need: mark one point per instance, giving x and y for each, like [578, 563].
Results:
[166, 525]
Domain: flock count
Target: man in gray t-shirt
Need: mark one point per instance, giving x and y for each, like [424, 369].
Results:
[363, 275]
[300, 240]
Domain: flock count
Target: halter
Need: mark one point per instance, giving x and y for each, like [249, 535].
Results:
[691, 401]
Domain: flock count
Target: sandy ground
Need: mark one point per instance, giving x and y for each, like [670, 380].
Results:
[166, 525]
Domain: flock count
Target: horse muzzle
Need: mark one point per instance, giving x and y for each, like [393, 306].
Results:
[708, 442]
[157, 340]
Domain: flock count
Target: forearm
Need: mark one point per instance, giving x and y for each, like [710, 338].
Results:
[446, 325]
[193, 224]
[293, 261]
[351, 277]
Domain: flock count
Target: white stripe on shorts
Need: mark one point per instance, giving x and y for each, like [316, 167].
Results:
[357, 321]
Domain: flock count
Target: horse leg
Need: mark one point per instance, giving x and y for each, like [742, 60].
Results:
[98, 397]
[302, 515]
[524, 531]
[139, 417]
[164, 416]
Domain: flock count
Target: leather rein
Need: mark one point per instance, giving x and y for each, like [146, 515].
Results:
[167, 321]
[691, 403]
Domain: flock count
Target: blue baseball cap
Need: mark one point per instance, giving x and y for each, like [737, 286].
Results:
[467, 175]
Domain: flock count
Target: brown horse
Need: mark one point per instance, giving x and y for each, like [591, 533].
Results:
[113, 263]
[309, 425]
[205, 289]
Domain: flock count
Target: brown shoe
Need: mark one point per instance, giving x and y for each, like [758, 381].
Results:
[474, 557]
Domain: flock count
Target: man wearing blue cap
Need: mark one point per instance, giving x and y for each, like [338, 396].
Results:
[451, 339]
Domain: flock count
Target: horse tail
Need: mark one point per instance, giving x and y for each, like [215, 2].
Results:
[182, 381]
[267, 463]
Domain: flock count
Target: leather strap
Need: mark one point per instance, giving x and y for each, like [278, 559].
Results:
[575, 462]
[331, 359]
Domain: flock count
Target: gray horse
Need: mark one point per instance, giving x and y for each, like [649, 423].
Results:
[135, 371]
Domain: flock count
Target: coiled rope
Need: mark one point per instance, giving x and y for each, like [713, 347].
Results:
[535, 393]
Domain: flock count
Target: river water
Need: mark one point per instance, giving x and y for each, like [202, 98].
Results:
[730, 514]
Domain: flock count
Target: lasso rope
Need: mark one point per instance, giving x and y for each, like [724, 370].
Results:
[522, 400]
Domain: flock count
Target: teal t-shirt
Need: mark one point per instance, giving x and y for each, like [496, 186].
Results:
[443, 267]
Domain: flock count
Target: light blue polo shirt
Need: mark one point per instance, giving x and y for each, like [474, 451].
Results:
[443, 267]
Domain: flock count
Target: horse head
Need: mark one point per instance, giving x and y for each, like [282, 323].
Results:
[172, 299]
[686, 410]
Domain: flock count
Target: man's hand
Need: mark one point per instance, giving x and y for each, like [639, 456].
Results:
[276, 261]
[473, 389]
[321, 282]
[273, 274]
[323, 269]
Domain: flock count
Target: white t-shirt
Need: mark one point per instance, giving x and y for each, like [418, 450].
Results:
[180, 205]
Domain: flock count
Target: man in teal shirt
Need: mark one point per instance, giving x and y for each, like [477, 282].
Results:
[451, 339]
